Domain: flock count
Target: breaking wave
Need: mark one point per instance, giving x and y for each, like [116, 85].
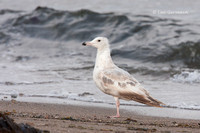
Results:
[136, 37]
[187, 77]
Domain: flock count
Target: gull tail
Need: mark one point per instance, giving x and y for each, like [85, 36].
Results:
[145, 99]
[154, 102]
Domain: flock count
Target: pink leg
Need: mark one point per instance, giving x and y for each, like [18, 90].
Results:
[117, 106]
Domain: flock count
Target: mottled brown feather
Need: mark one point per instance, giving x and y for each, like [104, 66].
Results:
[140, 98]
[126, 88]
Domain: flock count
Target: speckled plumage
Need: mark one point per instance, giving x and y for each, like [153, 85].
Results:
[113, 80]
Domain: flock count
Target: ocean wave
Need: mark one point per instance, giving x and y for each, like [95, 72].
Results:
[188, 52]
[81, 25]
[136, 37]
[8, 11]
[4, 38]
[187, 77]
[65, 25]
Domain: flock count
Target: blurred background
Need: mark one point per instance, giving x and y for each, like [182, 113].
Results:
[41, 56]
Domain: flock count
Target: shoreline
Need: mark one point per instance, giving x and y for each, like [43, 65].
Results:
[143, 110]
[58, 118]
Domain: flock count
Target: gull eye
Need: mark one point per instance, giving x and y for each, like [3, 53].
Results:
[99, 40]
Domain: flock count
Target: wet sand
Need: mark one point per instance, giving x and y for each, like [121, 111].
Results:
[58, 118]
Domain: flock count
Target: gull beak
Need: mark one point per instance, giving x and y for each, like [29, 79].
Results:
[86, 43]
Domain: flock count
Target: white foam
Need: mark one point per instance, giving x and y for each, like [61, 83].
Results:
[72, 96]
[12, 93]
[184, 105]
[61, 93]
[187, 77]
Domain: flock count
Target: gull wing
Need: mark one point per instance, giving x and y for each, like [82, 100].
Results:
[121, 84]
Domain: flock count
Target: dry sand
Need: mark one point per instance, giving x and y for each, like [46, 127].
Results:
[58, 118]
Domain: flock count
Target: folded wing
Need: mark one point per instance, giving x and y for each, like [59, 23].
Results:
[121, 84]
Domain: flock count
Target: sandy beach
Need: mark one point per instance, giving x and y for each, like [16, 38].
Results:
[58, 118]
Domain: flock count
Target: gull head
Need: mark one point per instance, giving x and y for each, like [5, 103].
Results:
[98, 42]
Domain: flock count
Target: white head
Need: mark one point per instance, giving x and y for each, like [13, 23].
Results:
[99, 43]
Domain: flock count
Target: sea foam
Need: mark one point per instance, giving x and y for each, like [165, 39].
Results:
[187, 77]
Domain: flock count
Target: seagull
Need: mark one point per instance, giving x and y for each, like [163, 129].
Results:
[115, 81]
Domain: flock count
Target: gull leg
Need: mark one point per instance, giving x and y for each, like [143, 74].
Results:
[117, 106]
